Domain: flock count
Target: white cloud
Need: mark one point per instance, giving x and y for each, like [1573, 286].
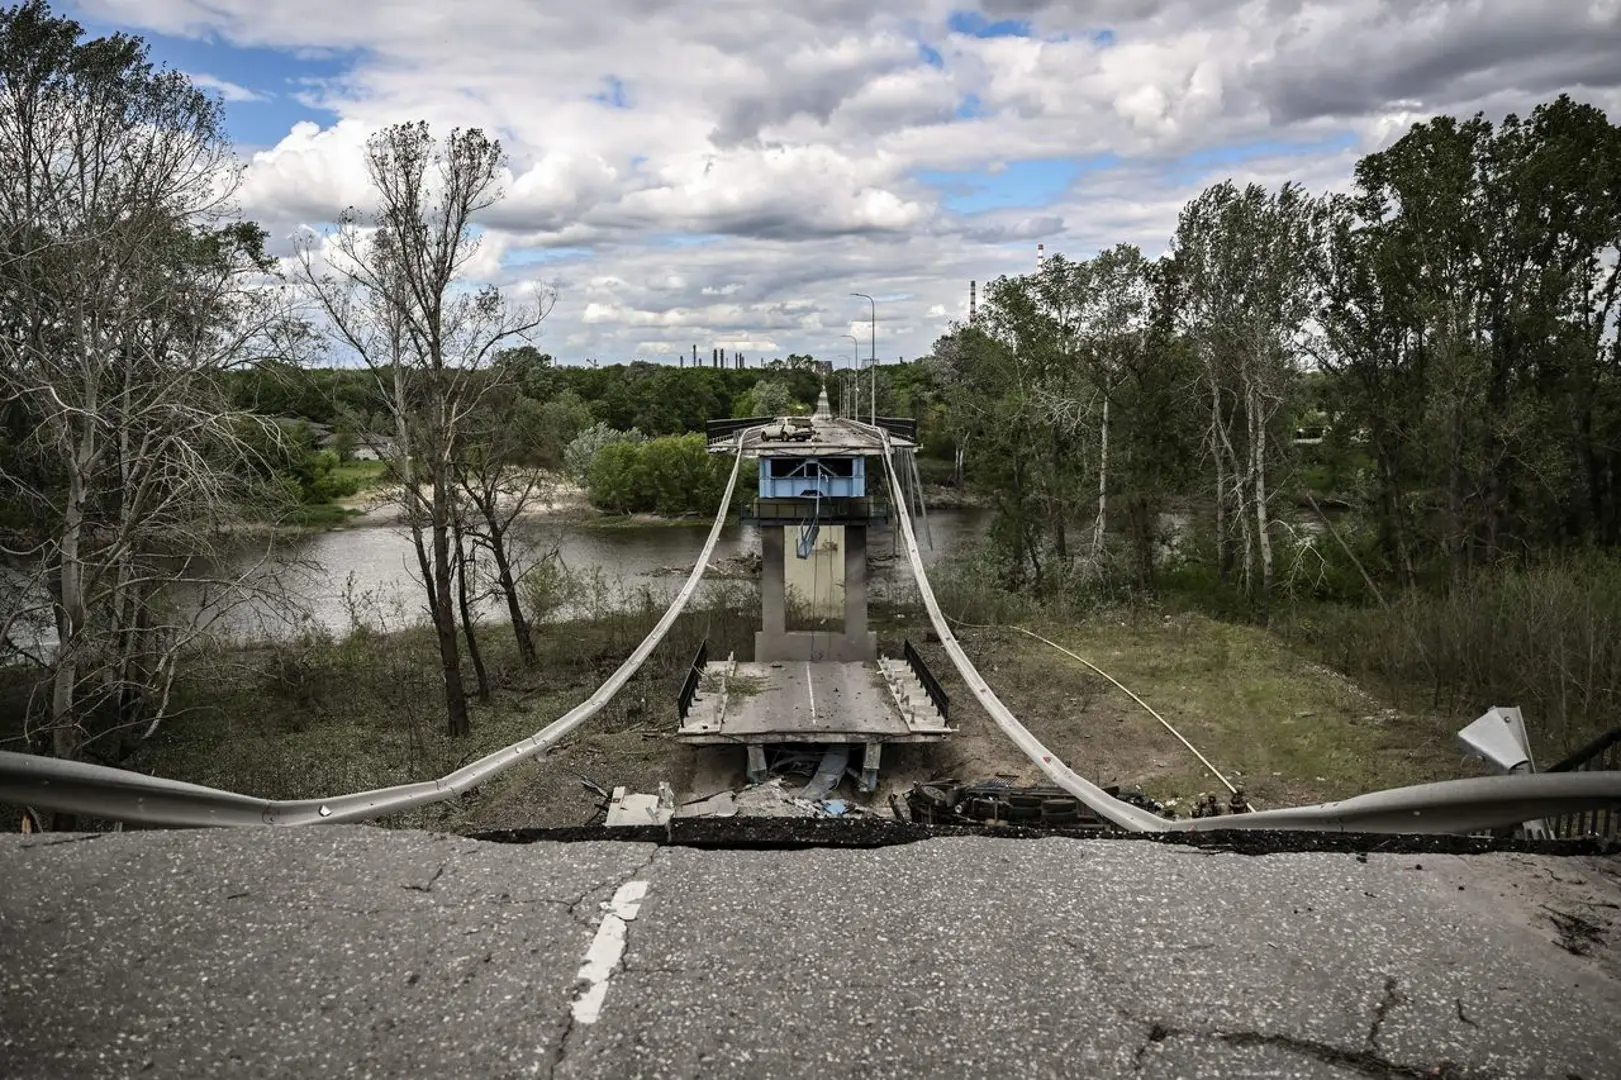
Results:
[767, 162]
[227, 90]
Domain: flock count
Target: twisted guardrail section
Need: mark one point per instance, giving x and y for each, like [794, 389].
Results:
[82, 788]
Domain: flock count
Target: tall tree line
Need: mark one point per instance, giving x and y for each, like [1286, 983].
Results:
[1453, 319]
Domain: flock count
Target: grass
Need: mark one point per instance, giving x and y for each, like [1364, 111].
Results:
[1285, 729]
[317, 717]
[363, 474]
[319, 516]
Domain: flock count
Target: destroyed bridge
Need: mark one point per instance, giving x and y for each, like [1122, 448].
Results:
[826, 685]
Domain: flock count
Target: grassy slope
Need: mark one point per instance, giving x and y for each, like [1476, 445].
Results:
[1282, 727]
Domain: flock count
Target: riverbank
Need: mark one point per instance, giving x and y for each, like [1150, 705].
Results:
[317, 717]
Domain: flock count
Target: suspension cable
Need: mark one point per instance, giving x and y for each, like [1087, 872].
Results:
[1122, 814]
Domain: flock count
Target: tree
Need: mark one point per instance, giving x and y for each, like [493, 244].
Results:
[583, 451]
[489, 468]
[394, 292]
[1246, 262]
[1468, 320]
[767, 397]
[129, 286]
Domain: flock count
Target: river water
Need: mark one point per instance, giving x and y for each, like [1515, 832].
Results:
[371, 574]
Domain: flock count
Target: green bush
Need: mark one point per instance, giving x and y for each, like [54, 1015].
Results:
[581, 456]
[674, 474]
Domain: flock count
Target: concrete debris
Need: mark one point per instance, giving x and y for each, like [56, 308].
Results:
[768, 799]
[628, 808]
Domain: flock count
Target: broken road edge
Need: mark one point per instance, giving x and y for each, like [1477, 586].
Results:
[796, 833]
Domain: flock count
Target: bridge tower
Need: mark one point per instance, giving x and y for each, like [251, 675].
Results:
[816, 676]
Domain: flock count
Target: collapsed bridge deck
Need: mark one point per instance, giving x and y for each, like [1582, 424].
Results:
[796, 701]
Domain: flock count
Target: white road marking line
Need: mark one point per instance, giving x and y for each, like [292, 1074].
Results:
[607, 949]
[810, 688]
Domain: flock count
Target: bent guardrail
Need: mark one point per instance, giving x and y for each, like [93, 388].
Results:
[1449, 806]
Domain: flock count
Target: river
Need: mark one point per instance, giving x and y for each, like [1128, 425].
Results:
[372, 571]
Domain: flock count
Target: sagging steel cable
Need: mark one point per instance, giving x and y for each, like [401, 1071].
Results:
[120, 794]
[1118, 684]
[1119, 813]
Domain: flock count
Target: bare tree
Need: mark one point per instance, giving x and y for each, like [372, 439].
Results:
[394, 291]
[128, 286]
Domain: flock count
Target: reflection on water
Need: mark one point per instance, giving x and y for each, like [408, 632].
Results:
[378, 565]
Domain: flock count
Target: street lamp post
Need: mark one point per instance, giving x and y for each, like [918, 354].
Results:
[873, 358]
[855, 367]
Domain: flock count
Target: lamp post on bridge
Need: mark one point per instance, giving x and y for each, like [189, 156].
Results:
[873, 357]
[855, 368]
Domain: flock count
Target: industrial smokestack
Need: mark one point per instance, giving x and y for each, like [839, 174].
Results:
[695, 356]
[714, 357]
[1041, 257]
[973, 301]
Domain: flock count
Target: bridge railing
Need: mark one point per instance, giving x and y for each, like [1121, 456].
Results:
[931, 685]
[1603, 754]
[689, 685]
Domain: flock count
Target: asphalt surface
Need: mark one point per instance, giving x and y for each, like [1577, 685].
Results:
[354, 951]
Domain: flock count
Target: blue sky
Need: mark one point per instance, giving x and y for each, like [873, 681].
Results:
[279, 77]
[797, 150]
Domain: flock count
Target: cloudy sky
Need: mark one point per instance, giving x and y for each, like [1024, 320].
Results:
[726, 172]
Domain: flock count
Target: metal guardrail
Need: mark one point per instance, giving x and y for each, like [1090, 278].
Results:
[903, 426]
[931, 685]
[81, 788]
[718, 431]
[1603, 754]
[689, 685]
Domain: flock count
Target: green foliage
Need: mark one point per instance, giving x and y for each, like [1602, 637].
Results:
[1545, 637]
[558, 423]
[768, 397]
[671, 475]
[1468, 308]
[580, 459]
[293, 478]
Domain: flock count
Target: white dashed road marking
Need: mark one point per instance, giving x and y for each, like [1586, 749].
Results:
[607, 949]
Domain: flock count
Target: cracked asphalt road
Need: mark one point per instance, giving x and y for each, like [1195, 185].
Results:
[357, 951]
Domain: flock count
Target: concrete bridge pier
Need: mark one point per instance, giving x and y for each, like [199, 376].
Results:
[774, 642]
